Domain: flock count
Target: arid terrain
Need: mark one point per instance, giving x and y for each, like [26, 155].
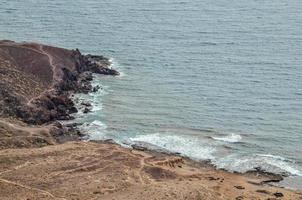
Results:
[42, 159]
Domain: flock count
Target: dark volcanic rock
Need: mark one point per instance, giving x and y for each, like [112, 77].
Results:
[99, 65]
[96, 88]
[37, 80]
[278, 194]
[86, 110]
[87, 104]
[139, 147]
[239, 187]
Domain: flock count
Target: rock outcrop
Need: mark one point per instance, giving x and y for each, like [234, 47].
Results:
[37, 80]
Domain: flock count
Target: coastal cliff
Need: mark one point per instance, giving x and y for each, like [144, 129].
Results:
[42, 159]
[36, 83]
[36, 80]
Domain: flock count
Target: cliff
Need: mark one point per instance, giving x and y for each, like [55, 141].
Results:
[36, 80]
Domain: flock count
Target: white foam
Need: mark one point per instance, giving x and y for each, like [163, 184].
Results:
[232, 138]
[273, 157]
[122, 74]
[111, 61]
[98, 124]
[267, 162]
[281, 163]
[96, 97]
[187, 146]
[95, 129]
[115, 65]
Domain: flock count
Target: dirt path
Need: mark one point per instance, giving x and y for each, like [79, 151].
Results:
[30, 188]
[50, 59]
[51, 63]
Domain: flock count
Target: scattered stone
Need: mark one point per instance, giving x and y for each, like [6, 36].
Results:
[96, 88]
[278, 194]
[57, 124]
[138, 147]
[239, 187]
[86, 110]
[213, 178]
[87, 104]
[110, 141]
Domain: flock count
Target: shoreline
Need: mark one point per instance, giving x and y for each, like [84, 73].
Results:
[56, 153]
[269, 178]
[285, 180]
[109, 171]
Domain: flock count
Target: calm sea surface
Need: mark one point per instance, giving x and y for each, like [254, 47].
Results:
[219, 80]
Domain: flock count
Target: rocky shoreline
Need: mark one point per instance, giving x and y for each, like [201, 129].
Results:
[54, 102]
[42, 159]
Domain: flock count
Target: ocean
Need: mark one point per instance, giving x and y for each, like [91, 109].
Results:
[212, 80]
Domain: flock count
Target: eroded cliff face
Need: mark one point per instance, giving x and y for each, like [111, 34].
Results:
[36, 80]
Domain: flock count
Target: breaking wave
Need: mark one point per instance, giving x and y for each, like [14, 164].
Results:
[229, 138]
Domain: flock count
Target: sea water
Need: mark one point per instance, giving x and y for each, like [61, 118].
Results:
[212, 80]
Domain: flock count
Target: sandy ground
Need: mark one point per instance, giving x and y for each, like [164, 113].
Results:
[90, 170]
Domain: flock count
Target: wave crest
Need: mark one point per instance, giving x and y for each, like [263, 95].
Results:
[229, 138]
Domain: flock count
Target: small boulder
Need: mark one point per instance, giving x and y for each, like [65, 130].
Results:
[278, 194]
[86, 110]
